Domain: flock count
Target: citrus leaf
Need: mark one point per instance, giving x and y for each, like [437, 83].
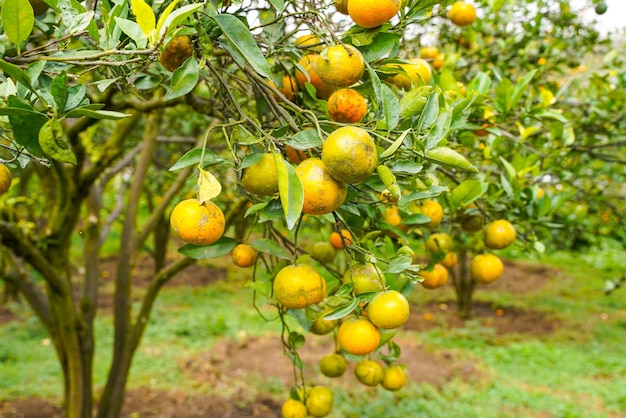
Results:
[480, 84]
[399, 264]
[52, 142]
[163, 18]
[466, 192]
[16, 72]
[18, 20]
[26, 124]
[279, 5]
[343, 311]
[520, 88]
[416, 219]
[305, 139]
[133, 30]
[451, 158]
[177, 17]
[208, 186]
[193, 158]
[184, 79]
[242, 43]
[391, 109]
[290, 190]
[441, 129]
[430, 112]
[510, 170]
[96, 114]
[145, 18]
[396, 144]
[219, 248]
[271, 247]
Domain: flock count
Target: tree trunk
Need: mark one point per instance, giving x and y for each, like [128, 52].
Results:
[464, 286]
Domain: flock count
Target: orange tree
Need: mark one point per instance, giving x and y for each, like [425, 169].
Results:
[99, 98]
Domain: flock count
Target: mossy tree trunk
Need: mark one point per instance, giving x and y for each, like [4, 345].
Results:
[463, 285]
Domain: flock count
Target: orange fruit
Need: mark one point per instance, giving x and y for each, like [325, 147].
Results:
[243, 255]
[319, 401]
[347, 106]
[337, 242]
[309, 64]
[340, 65]
[499, 234]
[429, 52]
[197, 223]
[540, 193]
[289, 88]
[260, 178]
[177, 51]
[358, 336]
[472, 223]
[325, 252]
[439, 242]
[462, 14]
[368, 372]
[366, 278]
[439, 61]
[392, 216]
[394, 377]
[373, 13]
[333, 365]
[434, 211]
[322, 193]
[299, 286]
[342, 6]
[388, 309]
[451, 260]
[438, 277]
[294, 409]
[349, 154]
[414, 72]
[295, 156]
[486, 268]
[309, 42]
[323, 326]
[5, 179]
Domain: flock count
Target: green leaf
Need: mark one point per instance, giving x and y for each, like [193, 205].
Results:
[429, 114]
[343, 311]
[480, 84]
[295, 340]
[416, 219]
[271, 247]
[145, 18]
[466, 192]
[184, 79]
[305, 139]
[510, 170]
[18, 20]
[242, 43]
[384, 45]
[133, 30]
[15, 72]
[163, 18]
[394, 147]
[399, 264]
[219, 248]
[520, 88]
[279, 5]
[450, 158]
[193, 158]
[177, 17]
[441, 129]
[96, 114]
[26, 124]
[377, 85]
[290, 190]
[52, 142]
[391, 109]
[413, 101]
[59, 90]
[552, 114]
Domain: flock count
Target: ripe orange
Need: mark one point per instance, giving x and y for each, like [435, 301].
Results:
[325, 252]
[415, 71]
[299, 286]
[434, 211]
[243, 255]
[294, 409]
[5, 179]
[499, 234]
[342, 6]
[462, 14]
[368, 372]
[309, 63]
[347, 106]
[358, 336]
[197, 223]
[323, 326]
[486, 268]
[540, 193]
[438, 277]
[392, 216]
[429, 52]
[260, 178]
[340, 65]
[177, 51]
[439, 61]
[289, 88]
[319, 401]
[333, 365]
[373, 13]
[337, 242]
[295, 156]
[322, 193]
[388, 309]
[349, 154]
[394, 377]
[439, 242]
[451, 260]
[366, 278]
[309, 42]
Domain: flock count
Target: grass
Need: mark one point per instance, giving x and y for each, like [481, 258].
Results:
[577, 371]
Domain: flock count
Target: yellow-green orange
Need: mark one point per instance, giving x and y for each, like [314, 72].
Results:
[293, 409]
[394, 377]
[388, 309]
[365, 277]
[372, 13]
[486, 268]
[319, 401]
[368, 372]
[322, 193]
[415, 71]
[499, 234]
[260, 178]
[333, 365]
[299, 286]
[340, 65]
[197, 223]
[439, 242]
[349, 154]
[5, 179]
[358, 336]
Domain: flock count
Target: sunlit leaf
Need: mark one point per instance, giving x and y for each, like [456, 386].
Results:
[53, 144]
[145, 17]
[184, 79]
[208, 186]
[271, 247]
[290, 190]
[450, 158]
[18, 20]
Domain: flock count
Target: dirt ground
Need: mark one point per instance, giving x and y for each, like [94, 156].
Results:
[229, 366]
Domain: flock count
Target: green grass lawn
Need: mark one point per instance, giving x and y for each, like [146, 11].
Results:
[578, 370]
